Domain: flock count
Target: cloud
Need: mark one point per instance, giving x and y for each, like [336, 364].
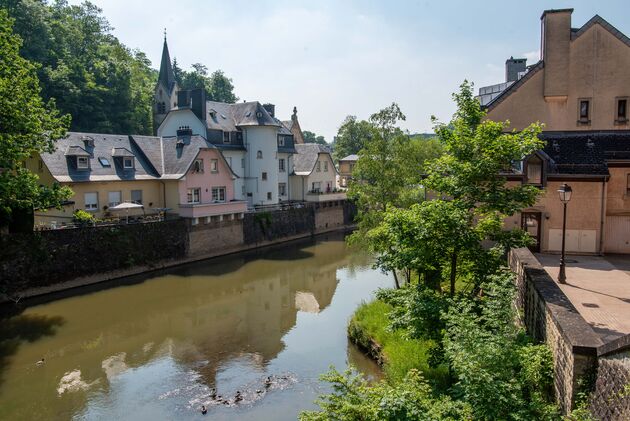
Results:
[532, 56]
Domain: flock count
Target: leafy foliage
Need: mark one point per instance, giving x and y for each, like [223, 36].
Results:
[310, 137]
[218, 87]
[27, 127]
[351, 137]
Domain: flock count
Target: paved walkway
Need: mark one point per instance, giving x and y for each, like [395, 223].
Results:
[599, 288]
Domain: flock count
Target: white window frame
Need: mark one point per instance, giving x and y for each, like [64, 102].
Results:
[281, 166]
[214, 165]
[83, 162]
[90, 206]
[192, 194]
[198, 166]
[282, 189]
[280, 140]
[217, 192]
[111, 203]
[127, 160]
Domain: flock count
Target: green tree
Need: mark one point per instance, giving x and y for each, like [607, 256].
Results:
[218, 86]
[310, 137]
[28, 127]
[351, 137]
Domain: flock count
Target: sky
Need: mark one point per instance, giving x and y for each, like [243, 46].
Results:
[334, 58]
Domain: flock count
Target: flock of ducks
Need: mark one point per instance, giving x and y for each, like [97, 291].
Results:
[238, 397]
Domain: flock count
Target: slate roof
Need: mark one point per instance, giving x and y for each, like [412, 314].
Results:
[585, 152]
[154, 158]
[288, 124]
[166, 76]
[63, 167]
[227, 117]
[306, 157]
[353, 157]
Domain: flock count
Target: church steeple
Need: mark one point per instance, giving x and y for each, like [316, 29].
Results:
[166, 77]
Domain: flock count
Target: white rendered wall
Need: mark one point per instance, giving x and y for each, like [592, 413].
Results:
[264, 139]
[238, 169]
[175, 119]
[283, 177]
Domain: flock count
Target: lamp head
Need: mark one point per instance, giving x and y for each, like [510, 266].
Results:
[565, 193]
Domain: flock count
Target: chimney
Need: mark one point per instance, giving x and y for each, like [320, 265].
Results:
[556, 37]
[198, 103]
[514, 67]
[271, 109]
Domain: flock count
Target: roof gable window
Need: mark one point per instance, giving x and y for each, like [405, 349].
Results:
[534, 170]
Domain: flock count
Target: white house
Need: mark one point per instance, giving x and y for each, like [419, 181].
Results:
[314, 177]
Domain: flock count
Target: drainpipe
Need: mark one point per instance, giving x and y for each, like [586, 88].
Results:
[163, 193]
[602, 216]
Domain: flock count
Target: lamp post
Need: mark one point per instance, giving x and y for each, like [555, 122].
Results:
[565, 195]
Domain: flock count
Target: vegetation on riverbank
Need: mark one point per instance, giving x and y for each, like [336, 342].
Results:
[396, 353]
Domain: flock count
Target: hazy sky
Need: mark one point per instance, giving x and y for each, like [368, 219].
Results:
[335, 58]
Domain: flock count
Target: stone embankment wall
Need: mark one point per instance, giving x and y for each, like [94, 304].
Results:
[50, 261]
[582, 362]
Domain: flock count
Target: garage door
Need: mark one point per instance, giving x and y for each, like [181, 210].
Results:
[617, 238]
[576, 241]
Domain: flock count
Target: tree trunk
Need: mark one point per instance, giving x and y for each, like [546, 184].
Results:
[396, 279]
[453, 271]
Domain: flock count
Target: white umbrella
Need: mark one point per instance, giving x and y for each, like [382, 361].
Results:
[126, 206]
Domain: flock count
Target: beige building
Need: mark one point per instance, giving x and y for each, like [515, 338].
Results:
[579, 89]
[314, 176]
[346, 166]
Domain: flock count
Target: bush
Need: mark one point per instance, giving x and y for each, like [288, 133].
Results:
[83, 218]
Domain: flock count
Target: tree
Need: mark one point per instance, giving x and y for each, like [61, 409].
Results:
[310, 137]
[28, 127]
[218, 86]
[351, 137]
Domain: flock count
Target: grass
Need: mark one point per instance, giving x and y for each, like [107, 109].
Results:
[398, 354]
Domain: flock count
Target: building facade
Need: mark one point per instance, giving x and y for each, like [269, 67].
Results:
[579, 90]
[314, 178]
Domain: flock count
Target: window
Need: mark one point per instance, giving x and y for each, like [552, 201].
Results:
[280, 140]
[269, 195]
[197, 166]
[534, 170]
[317, 186]
[584, 111]
[282, 189]
[127, 162]
[342, 181]
[40, 165]
[259, 155]
[226, 137]
[218, 194]
[264, 176]
[104, 161]
[351, 167]
[281, 164]
[243, 190]
[91, 201]
[83, 162]
[622, 110]
[114, 198]
[318, 166]
[628, 185]
[214, 165]
[194, 195]
[136, 196]
[325, 166]
[161, 107]
[242, 162]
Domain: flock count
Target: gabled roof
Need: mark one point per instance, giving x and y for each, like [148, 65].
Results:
[585, 152]
[229, 117]
[514, 87]
[63, 167]
[180, 153]
[576, 33]
[306, 157]
[120, 152]
[353, 157]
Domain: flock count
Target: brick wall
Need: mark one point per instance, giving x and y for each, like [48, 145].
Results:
[212, 238]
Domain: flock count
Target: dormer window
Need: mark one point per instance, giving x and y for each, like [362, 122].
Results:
[127, 162]
[534, 171]
[226, 137]
[281, 141]
[83, 163]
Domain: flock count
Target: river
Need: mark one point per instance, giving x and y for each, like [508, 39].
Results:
[265, 324]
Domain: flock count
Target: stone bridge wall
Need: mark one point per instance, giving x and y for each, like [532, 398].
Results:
[582, 362]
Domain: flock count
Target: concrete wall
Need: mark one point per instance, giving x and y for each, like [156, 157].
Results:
[582, 362]
[596, 68]
[329, 215]
[178, 118]
[264, 139]
[210, 238]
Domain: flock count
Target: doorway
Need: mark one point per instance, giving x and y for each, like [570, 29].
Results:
[530, 222]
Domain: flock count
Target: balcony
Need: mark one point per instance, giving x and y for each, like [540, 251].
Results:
[318, 197]
[200, 210]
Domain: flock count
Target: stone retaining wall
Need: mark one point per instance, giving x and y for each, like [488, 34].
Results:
[582, 362]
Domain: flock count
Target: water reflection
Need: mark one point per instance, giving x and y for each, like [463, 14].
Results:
[157, 349]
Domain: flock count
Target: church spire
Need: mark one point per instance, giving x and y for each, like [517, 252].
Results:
[166, 77]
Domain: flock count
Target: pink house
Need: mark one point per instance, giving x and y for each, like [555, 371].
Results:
[208, 187]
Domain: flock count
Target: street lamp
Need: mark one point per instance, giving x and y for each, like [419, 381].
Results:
[565, 195]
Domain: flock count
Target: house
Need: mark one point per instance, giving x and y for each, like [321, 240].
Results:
[314, 174]
[346, 166]
[185, 174]
[579, 89]
[257, 146]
